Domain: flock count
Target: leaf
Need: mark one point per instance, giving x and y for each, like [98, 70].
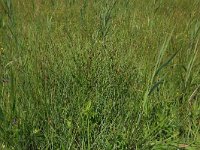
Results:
[183, 146]
[160, 56]
[155, 86]
[2, 117]
[87, 107]
[165, 64]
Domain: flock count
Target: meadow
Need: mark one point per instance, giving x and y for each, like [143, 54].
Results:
[100, 74]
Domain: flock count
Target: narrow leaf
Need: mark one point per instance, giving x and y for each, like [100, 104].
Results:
[166, 63]
[2, 117]
[155, 86]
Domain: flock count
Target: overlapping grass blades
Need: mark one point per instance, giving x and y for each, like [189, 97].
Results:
[158, 67]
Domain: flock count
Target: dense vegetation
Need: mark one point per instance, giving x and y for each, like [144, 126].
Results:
[100, 74]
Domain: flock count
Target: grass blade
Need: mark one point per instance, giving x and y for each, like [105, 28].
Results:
[165, 64]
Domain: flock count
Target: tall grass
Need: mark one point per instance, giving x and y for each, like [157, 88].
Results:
[99, 74]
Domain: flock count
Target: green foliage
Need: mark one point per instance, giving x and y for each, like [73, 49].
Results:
[99, 74]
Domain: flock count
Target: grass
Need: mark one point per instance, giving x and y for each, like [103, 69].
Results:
[105, 74]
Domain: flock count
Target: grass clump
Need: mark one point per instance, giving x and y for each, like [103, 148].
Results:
[99, 74]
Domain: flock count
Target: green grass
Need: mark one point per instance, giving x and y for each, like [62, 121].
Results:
[100, 74]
